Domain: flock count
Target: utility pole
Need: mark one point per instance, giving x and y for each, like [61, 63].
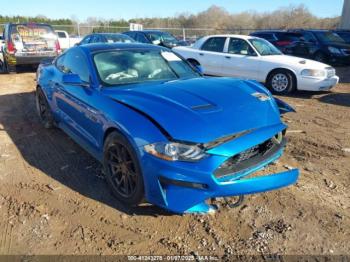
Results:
[345, 17]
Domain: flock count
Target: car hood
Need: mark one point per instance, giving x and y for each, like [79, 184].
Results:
[295, 62]
[200, 110]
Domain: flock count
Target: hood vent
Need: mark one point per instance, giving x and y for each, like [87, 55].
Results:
[202, 107]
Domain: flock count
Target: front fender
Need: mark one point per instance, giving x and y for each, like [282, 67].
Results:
[283, 106]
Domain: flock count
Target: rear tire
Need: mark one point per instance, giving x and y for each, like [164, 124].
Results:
[122, 169]
[281, 82]
[43, 109]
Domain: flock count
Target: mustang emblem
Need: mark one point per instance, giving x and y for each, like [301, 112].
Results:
[261, 96]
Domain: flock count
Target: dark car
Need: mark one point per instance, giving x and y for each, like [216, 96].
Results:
[325, 46]
[106, 38]
[344, 34]
[28, 44]
[155, 37]
[290, 43]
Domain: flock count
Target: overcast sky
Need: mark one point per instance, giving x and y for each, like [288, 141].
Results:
[127, 9]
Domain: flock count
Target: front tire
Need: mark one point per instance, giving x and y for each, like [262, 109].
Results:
[43, 109]
[122, 169]
[281, 82]
[9, 69]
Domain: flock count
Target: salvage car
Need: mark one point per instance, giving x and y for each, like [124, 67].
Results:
[255, 58]
[28, 44]
[162, 131]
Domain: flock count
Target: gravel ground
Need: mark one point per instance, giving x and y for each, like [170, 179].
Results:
[53, 199]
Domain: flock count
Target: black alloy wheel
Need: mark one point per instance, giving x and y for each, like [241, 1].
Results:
[122, 170]
[43, 109]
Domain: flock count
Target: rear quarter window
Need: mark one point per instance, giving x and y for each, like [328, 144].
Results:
[214, 44]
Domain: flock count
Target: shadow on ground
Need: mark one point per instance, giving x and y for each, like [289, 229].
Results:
[56, 155]
[340, 99]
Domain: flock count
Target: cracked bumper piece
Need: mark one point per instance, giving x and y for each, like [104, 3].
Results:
[181, 196]
[184, 186]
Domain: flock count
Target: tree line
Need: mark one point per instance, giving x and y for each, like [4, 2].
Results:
[215, 17]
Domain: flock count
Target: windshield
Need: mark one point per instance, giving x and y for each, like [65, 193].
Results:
[345, 36]
[264, 47]
[162, 36]
[136, 66]
[119, 38]
[329, 37]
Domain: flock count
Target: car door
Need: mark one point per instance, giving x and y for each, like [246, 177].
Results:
[295, 44]
[311, 43]
[240, 60]
[74, 103]
[211, 55]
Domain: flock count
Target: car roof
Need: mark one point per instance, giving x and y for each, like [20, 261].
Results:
[147, 31]
[106, 33]
[91, 48]
[231, 35]
[29, 23]
[269, 31]
[308, 30]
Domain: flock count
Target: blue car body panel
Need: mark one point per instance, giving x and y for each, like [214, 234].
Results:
[199, 110]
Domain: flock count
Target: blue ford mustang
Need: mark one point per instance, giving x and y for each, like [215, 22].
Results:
[162, 131]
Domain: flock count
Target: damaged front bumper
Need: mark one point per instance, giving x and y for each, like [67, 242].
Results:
[185, 186]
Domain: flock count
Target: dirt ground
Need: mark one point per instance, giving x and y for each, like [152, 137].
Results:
[53, 199]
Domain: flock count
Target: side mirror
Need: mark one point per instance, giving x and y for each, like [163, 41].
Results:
[73, 79]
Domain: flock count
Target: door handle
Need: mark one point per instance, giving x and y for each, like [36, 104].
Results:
[228, 57]
[201, 54]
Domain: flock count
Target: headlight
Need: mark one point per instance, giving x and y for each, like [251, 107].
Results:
[173, 151]
[313, 73]
[334, 50]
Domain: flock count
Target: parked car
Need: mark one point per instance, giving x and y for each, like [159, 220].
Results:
[161, 130]
[28, 44]
[344, 34]
[2, 42]
[155, 37]
[326, 46]
[290, 43]
[106, 38]
[65, 40]
[255, 58]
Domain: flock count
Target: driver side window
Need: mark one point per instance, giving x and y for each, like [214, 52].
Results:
[240, 47]
[75, 62]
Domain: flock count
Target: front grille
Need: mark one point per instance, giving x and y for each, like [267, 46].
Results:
[330, 72]
[249, 158]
